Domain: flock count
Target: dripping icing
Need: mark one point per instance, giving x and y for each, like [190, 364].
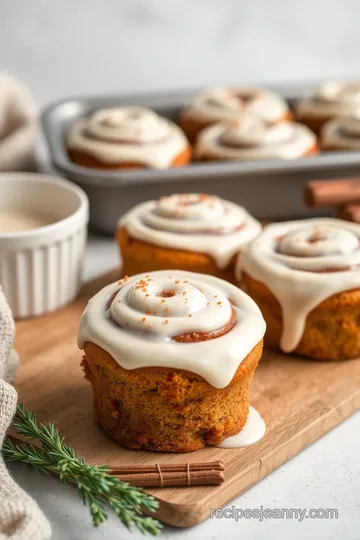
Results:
[297, 279]
[252, 432]
[134, 342]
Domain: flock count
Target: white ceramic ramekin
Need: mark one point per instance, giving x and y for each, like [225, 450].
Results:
[41, 269]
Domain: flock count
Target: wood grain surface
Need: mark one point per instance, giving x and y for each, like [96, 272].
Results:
[300, 400]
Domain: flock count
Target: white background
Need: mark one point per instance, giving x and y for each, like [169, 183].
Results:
[62, 48]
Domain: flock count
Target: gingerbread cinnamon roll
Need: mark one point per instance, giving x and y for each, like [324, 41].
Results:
[170, 357]
[253, 139]
[195, 232]
[305, 277]
[229, 104]
[334, 98]
[127, 137]
[341, 133]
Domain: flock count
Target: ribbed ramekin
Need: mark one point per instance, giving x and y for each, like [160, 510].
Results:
[41, 269]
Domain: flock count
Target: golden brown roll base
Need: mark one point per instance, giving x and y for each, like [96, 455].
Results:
[87, 160]
[141, 257]
[332, 330]
[163, 409]
[193, 127]
[315, 123]
[311, 152]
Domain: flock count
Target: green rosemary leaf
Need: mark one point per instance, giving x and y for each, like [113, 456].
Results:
[97, 489]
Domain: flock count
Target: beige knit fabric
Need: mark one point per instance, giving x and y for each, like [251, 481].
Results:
[18, 125]
[20, 516]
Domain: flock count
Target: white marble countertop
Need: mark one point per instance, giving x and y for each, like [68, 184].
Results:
[325, 475]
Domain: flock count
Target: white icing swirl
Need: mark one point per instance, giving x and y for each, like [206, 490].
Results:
[342, 132]
[331, 99]
[318, 241]
[127, 124]
[170, 302]
[251, 138]
[193, 222]
[128, 135]
[303, 263]
[149, 311]
[221, 104]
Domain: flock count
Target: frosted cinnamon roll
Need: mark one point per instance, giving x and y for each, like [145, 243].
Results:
[194, 232]
[230, 104]
[251, 138]
[170, 357]
[127, 137]
[341, 133]
[305, 277]
[334, 98]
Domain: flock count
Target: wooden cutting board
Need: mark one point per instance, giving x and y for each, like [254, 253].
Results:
[300, 400]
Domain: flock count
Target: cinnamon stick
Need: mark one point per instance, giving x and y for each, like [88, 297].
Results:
[332, 192]
[168, 475]
[349, 212]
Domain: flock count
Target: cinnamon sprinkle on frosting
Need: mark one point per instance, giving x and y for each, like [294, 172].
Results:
[135, 336]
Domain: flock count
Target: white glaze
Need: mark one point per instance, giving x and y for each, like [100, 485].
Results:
[128, 135]
[331, 99]
[15, 220]
[135, 339]
[190, 222]
[251, 138]
[251, 433]
[342, 132]
[222, 104]
[292, 267]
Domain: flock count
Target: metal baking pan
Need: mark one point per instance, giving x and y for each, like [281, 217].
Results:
[271, 189]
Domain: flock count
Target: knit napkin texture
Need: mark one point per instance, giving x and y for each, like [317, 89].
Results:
[20, 516]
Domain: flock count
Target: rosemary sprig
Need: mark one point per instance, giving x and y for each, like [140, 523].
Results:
[96, 487]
